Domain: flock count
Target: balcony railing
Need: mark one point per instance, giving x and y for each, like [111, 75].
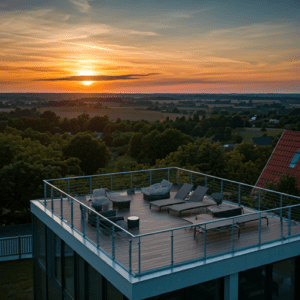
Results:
[281, 210]
[17, 247]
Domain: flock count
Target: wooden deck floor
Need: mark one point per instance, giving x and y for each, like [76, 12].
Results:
[156, 249]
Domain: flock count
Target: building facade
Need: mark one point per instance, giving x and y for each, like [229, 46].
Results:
[69, 265]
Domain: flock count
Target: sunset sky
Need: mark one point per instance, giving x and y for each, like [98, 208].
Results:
[191, 46]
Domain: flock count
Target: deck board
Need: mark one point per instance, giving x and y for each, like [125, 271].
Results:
[156, 249]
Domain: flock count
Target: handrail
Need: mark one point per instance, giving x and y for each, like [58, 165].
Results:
[15, 237]
[106, 174]
[239, 183]
[207, 222]
[177, 168]
[82, 204]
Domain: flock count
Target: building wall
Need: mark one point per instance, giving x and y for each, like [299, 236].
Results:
[60, 273]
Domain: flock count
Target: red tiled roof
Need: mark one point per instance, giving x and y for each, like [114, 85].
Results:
[281, 158]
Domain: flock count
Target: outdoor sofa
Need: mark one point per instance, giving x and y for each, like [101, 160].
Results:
[157, 191]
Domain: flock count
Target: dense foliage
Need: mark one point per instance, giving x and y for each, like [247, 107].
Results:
[44, 147]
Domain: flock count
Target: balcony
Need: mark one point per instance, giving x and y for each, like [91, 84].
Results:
[165, 240]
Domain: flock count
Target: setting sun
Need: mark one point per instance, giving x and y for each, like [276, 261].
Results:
[86, 73]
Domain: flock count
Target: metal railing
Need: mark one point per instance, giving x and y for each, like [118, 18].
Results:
[129, 251]
[16, 246]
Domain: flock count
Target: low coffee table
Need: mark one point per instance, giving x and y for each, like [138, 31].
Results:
[119, 201]
[133, 222]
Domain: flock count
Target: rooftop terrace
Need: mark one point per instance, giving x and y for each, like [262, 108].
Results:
[165, 240]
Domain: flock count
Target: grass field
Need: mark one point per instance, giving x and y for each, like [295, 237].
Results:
[16, 280]
[250, 133]
[113, 113]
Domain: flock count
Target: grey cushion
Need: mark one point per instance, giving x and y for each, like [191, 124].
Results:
[96, 206]
[102, 200]
[99, 193]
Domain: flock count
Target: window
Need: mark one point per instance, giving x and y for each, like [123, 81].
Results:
[295, 159]
[68, 270]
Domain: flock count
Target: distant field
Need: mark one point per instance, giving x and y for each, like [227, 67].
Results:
[250, 133]
[16, 279]
[124, 113]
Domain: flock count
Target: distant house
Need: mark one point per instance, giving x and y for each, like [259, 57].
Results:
[284, 159]
[274, 121]
[262, 140]
[98, 134]
[229, 147]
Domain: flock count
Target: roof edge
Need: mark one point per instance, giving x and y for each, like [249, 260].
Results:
[269, 158]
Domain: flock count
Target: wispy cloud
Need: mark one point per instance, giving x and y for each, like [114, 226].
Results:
[98, 77]
[82, 5]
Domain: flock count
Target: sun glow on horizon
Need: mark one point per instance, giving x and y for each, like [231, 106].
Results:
[86, 73]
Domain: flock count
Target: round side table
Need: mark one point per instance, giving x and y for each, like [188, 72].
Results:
[133, 222]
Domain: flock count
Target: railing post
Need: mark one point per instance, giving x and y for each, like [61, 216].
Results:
[45, 193]
[131, 180]
[130, 254]
[139, 255]
[98, 225]
[221, 186]
[172, 245]
[205, 180]
[239, 194]
[204, 251]
[61, 207]
[281, 207]
[150, 177]
[113, 242]
[68, 186]
[259, 199]
[82, 210]
[91, 186]
[281, 223]
[19, 246]
[52, 200]
[259, 228]
[232, 235]
[111, 182]
[289, 223]
[191, 178]
[72, 224]
[168, 174]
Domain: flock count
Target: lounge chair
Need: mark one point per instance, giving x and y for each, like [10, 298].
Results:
[195, 201]
[99, 197]
[112, 216]
[157, 191]
[179, 197]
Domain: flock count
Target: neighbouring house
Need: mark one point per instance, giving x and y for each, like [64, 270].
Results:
[229, 147]
[284, 159]
[98, 134]
[263, 140]
[274, 121]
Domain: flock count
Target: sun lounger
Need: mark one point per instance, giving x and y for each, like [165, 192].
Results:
[179, 197]
[194, 202]
[203, 218]
[250, 218]
[191, 205]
